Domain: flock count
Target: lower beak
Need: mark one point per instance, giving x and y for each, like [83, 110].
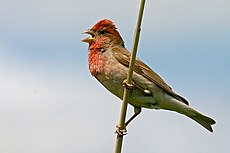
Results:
[88, 40]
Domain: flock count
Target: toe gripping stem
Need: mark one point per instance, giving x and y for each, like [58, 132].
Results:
[121, 131]
[128, 85]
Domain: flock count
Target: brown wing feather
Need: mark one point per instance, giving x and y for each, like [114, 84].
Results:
[123, 56]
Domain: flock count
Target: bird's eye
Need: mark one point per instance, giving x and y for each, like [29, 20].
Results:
[101, 31]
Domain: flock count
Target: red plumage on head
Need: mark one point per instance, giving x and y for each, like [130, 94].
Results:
[104, 24]
[109, 27]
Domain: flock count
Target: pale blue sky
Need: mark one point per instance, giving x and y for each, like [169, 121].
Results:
[49, 102]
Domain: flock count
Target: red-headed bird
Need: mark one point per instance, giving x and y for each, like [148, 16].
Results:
[108, 61]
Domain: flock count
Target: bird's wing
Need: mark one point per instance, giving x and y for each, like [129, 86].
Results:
[123, 56]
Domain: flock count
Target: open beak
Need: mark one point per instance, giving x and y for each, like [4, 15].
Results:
[88, 39]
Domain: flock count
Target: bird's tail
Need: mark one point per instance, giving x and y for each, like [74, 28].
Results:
[182, 108]
[203, 120]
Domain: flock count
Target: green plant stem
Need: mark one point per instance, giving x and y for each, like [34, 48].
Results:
[119, 140]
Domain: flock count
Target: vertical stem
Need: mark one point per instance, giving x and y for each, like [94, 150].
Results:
[129, 77]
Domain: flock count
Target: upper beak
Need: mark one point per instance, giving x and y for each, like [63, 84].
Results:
[89, 31]
[88, 39]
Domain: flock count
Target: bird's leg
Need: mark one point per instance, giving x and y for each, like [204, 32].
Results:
[122, 130]
[137, 111]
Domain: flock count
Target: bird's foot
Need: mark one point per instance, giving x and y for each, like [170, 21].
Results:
[121, 131]
[128, 85]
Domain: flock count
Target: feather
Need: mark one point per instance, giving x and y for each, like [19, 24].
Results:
[123, 56]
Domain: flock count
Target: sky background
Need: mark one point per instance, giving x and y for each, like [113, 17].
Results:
[49, 102]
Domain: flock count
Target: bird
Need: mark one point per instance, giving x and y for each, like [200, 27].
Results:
[108, 62]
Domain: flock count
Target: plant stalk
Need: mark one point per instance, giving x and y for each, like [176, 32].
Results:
[119, 139]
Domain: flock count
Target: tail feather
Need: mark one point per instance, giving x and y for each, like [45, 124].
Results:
[183, 108]
[205, 121]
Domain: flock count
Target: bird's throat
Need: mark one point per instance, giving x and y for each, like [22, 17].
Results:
[96, 62]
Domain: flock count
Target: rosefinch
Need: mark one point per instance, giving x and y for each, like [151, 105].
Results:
[108, 61]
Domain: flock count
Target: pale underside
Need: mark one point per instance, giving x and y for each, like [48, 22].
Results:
[146, 93]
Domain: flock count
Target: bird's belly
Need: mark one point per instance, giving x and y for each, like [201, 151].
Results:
[136, 97]
[112, 84]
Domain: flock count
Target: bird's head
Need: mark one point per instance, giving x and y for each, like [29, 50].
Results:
[104, 28]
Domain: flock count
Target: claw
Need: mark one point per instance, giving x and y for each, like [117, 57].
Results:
[121, 131]
[128, 85]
